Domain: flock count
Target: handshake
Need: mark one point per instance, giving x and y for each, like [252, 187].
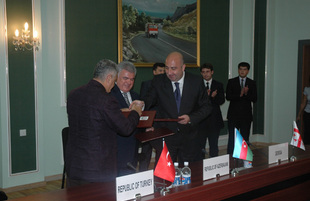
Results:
[138, 106]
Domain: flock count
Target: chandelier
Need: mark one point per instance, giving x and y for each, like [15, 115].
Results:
[24, 41]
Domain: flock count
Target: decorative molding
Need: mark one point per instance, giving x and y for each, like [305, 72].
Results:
[63, 80]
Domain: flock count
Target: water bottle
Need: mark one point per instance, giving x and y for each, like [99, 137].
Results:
[177, 178]
[186, 174]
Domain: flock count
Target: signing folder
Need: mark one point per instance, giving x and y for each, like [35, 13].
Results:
[153, 135]
[146, 119]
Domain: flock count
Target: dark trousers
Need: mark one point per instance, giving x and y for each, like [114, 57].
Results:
[306, 119]
[212, 134]
[243, 125]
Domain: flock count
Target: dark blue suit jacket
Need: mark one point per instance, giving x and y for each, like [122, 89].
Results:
[126, 145]
[94, 121]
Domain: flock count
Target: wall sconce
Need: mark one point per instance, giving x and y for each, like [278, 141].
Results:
[24, 41]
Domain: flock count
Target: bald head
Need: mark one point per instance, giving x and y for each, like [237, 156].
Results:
[175, 66]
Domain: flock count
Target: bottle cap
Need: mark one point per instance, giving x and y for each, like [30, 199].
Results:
[176, 164]
[186, 163]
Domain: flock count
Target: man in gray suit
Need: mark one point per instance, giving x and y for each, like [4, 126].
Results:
[179, 95]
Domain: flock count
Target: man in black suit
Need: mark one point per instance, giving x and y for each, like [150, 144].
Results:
[210, 127]
[94, 120]
[158, 68]
[179, 95]
[146, 152]
[241, 91]
[127, 146]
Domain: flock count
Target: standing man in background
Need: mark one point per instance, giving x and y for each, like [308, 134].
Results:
[210, 127]
[241, 91]
[127, 146]
[158, 68]
[94, 120]
[146, 153]
[179, 95]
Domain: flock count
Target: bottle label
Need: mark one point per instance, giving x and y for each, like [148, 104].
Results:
[186, 179]
[177, 181]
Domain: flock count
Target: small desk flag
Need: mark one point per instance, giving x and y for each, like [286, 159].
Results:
[242, 149]
[165, 168]
[296, 139]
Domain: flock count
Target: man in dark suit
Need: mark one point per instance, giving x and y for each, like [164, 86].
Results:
[158, 68]
[179, 95]
[94, 120]
[210, 127]
[241, 91]
[127, 146]
[146, 153]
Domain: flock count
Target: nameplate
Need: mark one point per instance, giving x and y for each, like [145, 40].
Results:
[215, 166]
[278, 152]
[129, 186]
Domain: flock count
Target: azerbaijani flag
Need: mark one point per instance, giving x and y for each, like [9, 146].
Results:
[242, 149]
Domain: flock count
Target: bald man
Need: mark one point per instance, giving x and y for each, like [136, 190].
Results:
[179, 95]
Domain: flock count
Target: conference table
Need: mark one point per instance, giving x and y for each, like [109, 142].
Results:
[284, 180]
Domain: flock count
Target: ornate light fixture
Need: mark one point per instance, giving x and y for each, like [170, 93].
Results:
[24, 41]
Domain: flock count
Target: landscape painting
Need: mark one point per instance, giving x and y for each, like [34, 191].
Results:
[150, 29]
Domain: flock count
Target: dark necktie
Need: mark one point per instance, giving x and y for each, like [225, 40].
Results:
[241, 84]
[126, 98]
[177, 95]
[208, 86]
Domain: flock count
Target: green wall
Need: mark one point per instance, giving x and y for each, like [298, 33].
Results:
[94, 37]
[21, 90]
[259, 64]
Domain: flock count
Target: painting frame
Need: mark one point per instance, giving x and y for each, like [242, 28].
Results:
[196, 57]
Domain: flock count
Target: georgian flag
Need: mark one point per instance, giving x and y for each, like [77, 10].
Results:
[241, 149]
[296, 139]
[165, 168]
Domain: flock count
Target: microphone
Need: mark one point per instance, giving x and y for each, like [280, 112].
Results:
[130, 166]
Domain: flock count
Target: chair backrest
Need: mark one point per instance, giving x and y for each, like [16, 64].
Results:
[3, 196]
[64, 133]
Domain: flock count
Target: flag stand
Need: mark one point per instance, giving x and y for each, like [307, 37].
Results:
[293, 158]
[165, 190]
[234, 171]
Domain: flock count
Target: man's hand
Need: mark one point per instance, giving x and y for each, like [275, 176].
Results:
[214, 93]
[244, 91]
[125, 110]
[209, 90]
[184, 119]
[137, 106]
[137, 102]
[149, 129]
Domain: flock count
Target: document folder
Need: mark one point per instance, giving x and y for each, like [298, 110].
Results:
[153, 135]
[146, 119]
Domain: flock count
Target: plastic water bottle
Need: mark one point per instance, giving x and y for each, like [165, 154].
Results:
[177, 178]
[186, 174]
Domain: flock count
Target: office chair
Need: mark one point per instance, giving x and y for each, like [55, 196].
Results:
[64, 134]
[3, 196]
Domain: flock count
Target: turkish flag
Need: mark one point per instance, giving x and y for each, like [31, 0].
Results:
[165, 168]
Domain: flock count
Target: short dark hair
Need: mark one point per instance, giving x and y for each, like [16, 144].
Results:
[206, 65]
[244, 64]
[156, 65]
